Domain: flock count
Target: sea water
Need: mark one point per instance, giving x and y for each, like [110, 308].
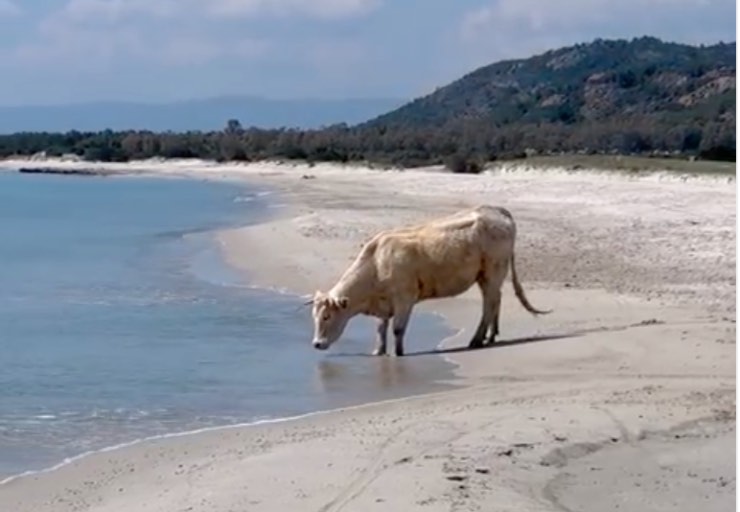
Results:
[119, 320]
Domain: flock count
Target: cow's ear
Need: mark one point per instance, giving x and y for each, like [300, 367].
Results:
[343, 302]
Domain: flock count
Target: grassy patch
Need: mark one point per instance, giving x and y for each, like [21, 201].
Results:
[637, 164]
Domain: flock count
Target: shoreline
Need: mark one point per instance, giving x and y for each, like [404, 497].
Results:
[270, 213]
[216, 429]
[639, 349]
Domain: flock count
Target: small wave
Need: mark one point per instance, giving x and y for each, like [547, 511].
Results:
[154, 299]
[244, 199]
[67, 417]
[180, 234]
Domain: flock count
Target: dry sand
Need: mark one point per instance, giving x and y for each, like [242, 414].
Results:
[622, 399]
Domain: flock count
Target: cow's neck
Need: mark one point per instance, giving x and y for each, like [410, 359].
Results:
[357, 285]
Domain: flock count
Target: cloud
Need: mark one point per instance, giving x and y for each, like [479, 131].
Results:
[80, 49]
[526, 15]
[541, 15]
[175, 31]
[84, 34]
[322, 9]
[116, 11]
[91, 49]
[517, 28]
[9, 9]
[97, 34]
[112, 11]
[188, 51]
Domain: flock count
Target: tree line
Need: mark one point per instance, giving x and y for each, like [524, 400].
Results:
[463, 145]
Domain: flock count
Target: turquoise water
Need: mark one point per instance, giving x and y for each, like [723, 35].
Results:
[119, 320]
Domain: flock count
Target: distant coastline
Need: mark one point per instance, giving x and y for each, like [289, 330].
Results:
[57, 170]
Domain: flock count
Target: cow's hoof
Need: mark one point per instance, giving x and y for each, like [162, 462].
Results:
[399, 353]
[378, 352]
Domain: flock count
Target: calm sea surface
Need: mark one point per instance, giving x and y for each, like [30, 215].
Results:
[118, 320]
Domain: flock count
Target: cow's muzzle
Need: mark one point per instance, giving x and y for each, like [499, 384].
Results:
[320, 344]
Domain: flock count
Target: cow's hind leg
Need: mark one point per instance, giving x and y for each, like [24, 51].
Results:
[401, 315]
[486, 315]
[381, 340]
[499, 275]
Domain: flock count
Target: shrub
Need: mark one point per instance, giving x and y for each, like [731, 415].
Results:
[462, 165]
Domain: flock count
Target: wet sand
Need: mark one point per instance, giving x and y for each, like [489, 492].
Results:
[622, 399]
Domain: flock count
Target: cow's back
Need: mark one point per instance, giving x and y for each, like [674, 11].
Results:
[441, 258]
[490, 229]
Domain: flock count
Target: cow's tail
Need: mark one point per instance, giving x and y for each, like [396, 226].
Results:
[520, 291]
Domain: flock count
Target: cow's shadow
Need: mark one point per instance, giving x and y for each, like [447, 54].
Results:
[465, 348]
[544, 337]
[496, 344]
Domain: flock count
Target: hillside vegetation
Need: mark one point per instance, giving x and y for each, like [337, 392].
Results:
[643, 80]
[642, 96]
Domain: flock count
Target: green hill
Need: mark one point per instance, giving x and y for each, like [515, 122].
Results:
[595, 82]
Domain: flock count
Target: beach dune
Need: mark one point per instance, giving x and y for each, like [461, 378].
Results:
[623, 398]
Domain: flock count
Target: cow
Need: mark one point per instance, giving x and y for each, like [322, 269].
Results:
[398, 268]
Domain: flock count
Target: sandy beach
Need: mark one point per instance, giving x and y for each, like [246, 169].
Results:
[622, 399]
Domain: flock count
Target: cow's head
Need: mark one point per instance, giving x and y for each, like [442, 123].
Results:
[330, 317]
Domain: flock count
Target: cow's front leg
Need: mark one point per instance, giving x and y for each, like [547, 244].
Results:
[401, 317]
[381, 340]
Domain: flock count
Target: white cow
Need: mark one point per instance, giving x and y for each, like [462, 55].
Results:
[398, 268]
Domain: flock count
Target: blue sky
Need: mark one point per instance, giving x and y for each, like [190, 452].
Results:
[82, 50]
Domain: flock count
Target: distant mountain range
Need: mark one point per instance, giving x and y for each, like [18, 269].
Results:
[206, 114]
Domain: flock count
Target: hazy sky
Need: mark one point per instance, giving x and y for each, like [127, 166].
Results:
[78, 50]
